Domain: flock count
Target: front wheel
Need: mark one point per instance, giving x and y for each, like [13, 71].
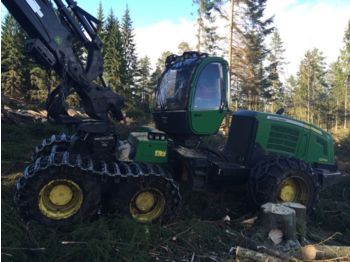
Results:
[283, 179]
[58, 196]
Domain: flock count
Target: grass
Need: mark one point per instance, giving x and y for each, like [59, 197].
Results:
[18, 143]
[109, 238]
[198, 231]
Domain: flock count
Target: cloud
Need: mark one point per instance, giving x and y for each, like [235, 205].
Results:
[303, 25]
[307, 25]
[163, 36]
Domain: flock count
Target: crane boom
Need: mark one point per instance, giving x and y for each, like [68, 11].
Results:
[54, 31]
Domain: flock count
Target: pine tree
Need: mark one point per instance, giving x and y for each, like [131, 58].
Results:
[336, 81]
[257, 28]
[13, 77]
[208, 40]
[161, 60]
[248, 52]
[274, 92]
[100, 16]
[129, 49]
[113, 54]
[345, 65]
[311, 86]
[144, 89]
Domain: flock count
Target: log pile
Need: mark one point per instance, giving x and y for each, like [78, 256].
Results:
[19, 116]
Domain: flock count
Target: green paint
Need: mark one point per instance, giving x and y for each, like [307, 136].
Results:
[284, 135]
[148, 151]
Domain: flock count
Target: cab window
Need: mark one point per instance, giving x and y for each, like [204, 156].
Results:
[208, 88]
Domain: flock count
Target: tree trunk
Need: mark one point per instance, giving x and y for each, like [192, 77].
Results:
[336, 115]
[346, 101]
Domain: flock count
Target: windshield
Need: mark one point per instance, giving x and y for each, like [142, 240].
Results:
[172, 93]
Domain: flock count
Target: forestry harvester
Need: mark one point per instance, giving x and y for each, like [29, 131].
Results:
[73, 177]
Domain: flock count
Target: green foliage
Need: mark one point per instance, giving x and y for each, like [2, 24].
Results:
[143, 93]
[208, 39]
[248, 73]
[274, 92]
[311, 86]
[113, 54]
[129, 51]
[13, 60]
[100, 16]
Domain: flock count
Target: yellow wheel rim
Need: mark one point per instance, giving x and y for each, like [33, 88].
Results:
[293, 189]
[60, 199]
[147, 205]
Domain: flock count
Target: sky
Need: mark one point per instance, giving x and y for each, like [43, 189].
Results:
[160, 25]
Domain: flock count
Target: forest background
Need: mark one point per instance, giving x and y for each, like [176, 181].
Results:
[238, 30]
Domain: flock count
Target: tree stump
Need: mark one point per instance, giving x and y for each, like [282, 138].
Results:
[277, 216]
[300, 215]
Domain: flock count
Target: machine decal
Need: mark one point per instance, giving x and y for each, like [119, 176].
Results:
[160, 153]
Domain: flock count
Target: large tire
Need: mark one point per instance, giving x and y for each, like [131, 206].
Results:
[152, 199]
[58, 196]
[283, 179]
[60, 142]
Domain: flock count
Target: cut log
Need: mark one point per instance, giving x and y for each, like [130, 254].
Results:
[324, 252]
[244, 253]
[300, 216]
[278, 216]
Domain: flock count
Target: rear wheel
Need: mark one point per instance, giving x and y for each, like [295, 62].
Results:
[58, 196]
[283, 179]
[152, 199]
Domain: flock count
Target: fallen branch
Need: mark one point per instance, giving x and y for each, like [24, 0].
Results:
[330, 252]
[171, 238]
[25, 248]
[72, 242]
[245, 253]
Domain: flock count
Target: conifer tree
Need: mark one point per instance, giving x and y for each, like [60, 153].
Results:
[257, 28]
[113, 54]
[336, 79]
[208, 40]
[144, 89]
[100, 16]
[129, 50]
[345, 65]
[274, 92]
[12, 57]
[311, 86]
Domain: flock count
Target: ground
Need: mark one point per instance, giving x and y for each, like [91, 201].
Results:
[199, 231]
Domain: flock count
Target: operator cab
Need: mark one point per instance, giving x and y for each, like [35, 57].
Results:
[191, 97]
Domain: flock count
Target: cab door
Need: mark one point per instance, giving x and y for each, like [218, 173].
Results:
[208, 98]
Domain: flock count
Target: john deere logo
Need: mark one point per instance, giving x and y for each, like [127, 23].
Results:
[160, 153]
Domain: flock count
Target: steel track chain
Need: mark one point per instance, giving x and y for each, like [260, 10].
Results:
[117, 170]
[46, 143]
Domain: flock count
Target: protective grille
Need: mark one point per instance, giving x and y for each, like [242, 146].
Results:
[283, 139]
